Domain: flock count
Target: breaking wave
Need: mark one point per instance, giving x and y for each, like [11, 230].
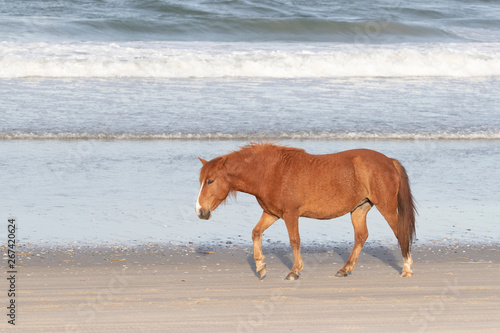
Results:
[262, 60]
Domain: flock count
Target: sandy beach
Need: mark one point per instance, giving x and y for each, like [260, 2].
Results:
[106, 107]
[166, 288]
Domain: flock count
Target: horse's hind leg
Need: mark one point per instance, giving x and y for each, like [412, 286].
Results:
[391, 217]
[358, 217]
[265, 222]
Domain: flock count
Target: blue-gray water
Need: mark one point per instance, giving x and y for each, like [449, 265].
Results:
[349, 22]
[106, 105]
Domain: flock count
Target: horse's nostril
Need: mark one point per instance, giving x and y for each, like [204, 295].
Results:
[204, 215]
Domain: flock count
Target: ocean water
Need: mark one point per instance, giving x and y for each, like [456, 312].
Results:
[105, 106]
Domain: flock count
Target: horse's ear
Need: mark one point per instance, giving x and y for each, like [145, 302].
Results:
[202, 161]
[222, 161]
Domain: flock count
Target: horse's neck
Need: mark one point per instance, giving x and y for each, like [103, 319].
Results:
[247, 174]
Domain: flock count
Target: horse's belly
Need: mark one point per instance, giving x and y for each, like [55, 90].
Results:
[326, 206]
[324, 213]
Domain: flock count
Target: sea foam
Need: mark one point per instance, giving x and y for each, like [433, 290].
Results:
[301, 135]
[262, 60]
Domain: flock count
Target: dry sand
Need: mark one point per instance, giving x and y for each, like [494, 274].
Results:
[160, 288]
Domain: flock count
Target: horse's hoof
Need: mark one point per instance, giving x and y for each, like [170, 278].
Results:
[262, 273]
[341, 274]
[292, 276]
[407, 274]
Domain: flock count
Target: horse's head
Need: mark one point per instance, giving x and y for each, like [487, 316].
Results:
[214, 187]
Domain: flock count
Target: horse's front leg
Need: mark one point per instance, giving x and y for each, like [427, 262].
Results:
[292, 225]
[266, 220]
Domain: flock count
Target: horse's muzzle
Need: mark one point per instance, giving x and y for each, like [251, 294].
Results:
[204, 215]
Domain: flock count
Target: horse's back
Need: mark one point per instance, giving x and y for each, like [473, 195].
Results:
[363, 153]
[357, 160]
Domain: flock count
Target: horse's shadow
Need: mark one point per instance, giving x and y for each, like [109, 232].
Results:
[385, 254]
[284, 255]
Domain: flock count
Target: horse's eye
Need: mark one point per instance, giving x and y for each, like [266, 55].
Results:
[210, 181]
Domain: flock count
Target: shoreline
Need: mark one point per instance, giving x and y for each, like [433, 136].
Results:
[91, 253]
[160, 287]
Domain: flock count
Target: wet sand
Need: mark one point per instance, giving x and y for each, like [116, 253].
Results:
[194, 288]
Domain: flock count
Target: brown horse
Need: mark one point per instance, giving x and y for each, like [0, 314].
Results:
[289, 183]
